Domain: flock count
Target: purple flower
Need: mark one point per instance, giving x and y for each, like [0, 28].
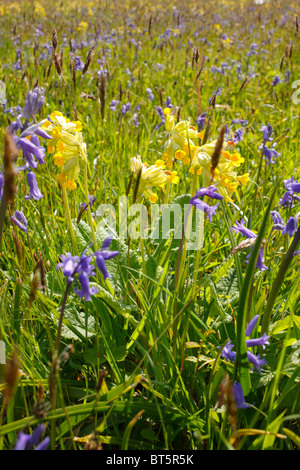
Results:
[201, 121]
[68, 264]
[227, 352]
[20, 220]
[28, 442]
[199, 204]
[239, 227]
[270, 154]
[78, 64]
[267, 132]
[113, 105]
[238, 136]
[291, 187]
[275, 81]
[239, 396]
[35, 193]
[150, 94]
[73, 265]
[278, 222]
[256, 361]
[86, 291]
[34, 102]
[125, 108]
[168, 103]
[31, 149]
[291, 226]
[103, 255]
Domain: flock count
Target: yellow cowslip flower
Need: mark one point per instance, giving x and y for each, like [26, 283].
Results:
[70, 148]
[180, 135]
[172, 177]
[244, 179]
[58, 159]
[225, 175]
[150, 176]
[179, 154]
[160, 163]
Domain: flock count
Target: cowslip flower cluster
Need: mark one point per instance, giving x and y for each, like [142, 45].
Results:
[181, 146]
[67, 147]
[239, 227]
[180, 139]
[149, 177]
[225, 174]
[26, 136]
[74, 267]
[230, 356]
[210, 192]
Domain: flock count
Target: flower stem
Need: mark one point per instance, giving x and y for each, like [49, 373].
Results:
[86, 190]
[68, 214]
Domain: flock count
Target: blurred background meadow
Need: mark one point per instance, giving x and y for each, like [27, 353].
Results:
[115, 343]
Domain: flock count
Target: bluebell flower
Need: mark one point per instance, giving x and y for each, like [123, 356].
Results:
[291, 226]
[103, 255]
[238, 136]
[78, 64]
[31, 149]
[278, 222]
[211, 192]
[20, 220]
[230, 355]
[201, 121]
[35, 193]
[86, 291]
[275, 81]
[68, 264]
[150, 94]
[239, 396]
[34, 102]
[29, 442]
[125, 108]
[267, 132]
[73, 266]
[291, 187]
[113, 105]
[239, 227]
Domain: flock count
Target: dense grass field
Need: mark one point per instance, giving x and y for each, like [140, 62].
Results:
[149, 258]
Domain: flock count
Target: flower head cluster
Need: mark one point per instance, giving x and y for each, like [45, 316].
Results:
[210, 192]
[255, 360]
[285, 228]
[180, 139]
[240, 227]
[225, 174]
[269, 153]
[149, 177]
[68, 147]
[292, 187]
[33, 441]
[73, 266]
[26, 136]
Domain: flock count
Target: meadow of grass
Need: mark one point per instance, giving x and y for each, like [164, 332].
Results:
[142, 359]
